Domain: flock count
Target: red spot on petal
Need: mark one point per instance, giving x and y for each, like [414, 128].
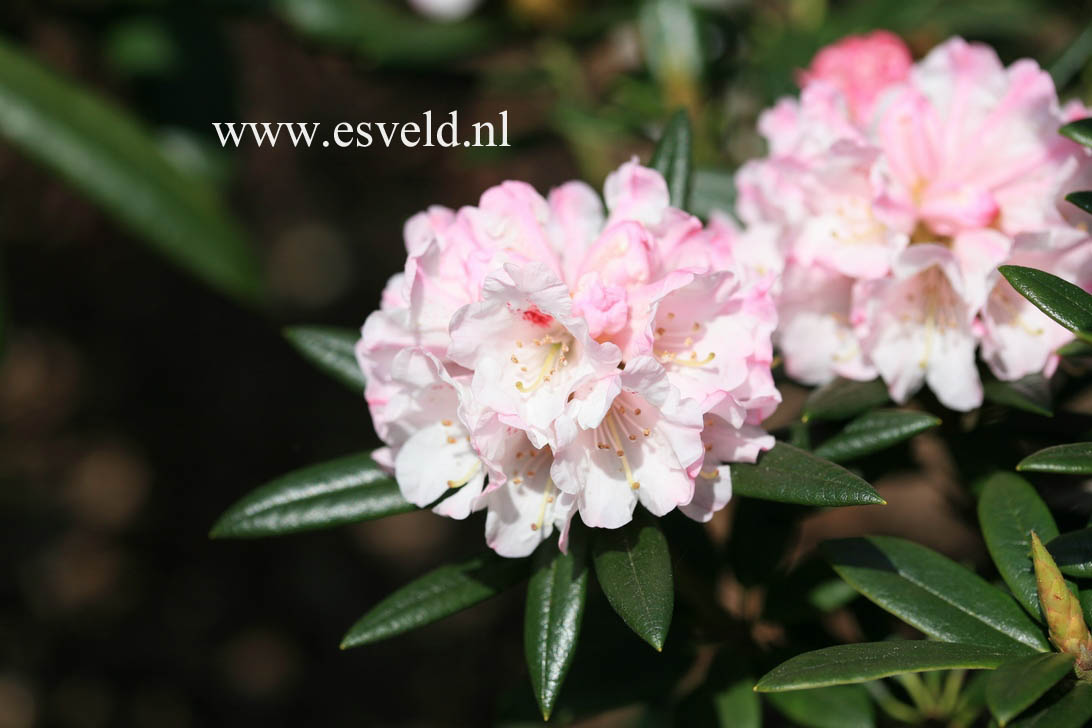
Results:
[537, 317]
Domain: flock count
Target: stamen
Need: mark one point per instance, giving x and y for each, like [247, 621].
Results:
[544, 373]
[466, 478]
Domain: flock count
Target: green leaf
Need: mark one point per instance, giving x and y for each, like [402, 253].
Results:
[385, 34]
[1081, 199]
[841, 706]
[556, 596]
[341, 491]
[672, 157]
[1074, 459]
[737, 706]
[1079, 131]
[934, 594]
[844, 664]
[1072, 710]
[1077, 347]
[331, 350]
[789, 475]
[1073, 552]
[844, 398]
[711, 190]
[1030, 394]
[112, 160]
[1009, 509]
[1062, 301]
[633, 566]
[1072, 60]
[873, 432]
[437, 594]
[1016, 685]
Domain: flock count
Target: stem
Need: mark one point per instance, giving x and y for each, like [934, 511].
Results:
[891, 705]
[918, 692]
[952, 685]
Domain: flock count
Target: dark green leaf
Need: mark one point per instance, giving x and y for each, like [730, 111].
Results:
[1009, 509]
[1072, 710]
[111, 159]
[711, 190]
[1075, 459]
[737, 706]
[790, 475]
[1085, 598]
[437, 594]
[345, 490]
[331, 350]
[933, 593]
[1073, 552]
[633, 566]
[844, 398]
[1030, 394]
[672, 157]
[1077, 347]
[1079, 131]
[873, 432]
[866, 661]
[556, 596]
[1072, 60]
[840, 706]
[1062, 301]
[1081, 199]
[1016, 685]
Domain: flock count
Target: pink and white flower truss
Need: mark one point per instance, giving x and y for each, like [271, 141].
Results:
[540, 358]
[891, 194]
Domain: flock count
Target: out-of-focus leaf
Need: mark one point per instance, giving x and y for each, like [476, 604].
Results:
[341, 491]
[331, 350]
[711, 190]
[1072, 552]
[672, 157]
[141, 47]
[844, 664]
[437, 594]
[873, 432]
[845, 398]
[111, 159]
[385, 34]
[737, 706]
[633, 565]
[840, 706]
[790, 475]
[1074, 58]
[1030, 394]
[1085, 598]
[1079, 131]
[556, 596]
[1009, 509]
[1081, 199]
[1077, 347]
[673, 48]
[1016, 685]
[933, 593]
[1072, 710]
[1059, 299]
[1074, 459]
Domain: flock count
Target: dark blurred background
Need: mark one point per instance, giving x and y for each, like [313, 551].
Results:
[136, 403]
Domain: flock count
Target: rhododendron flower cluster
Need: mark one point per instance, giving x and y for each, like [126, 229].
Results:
[890, 195]
[541, 358]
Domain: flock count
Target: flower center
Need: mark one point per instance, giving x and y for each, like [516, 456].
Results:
[674, 344]
[618, 430]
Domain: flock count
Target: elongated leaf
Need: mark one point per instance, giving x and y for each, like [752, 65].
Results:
[672, 157]
[1072, 60]
[341, 491]
[711, 190]
[845, 398]
[1072, 710]
[437, 594]
[844, 664]
[1081, 199]
[1030, 394]
[1079, 131]
[556, 596]
[1077, 347]
[873, 432]
[790, 475]
[331, 350]
[737, 706]
[933, 593]
[1073, 552]
[114, 162]
[1009, 509]
[840, 706]
[1075, 459]
[633, 566]
[1016, 685]
[1059, 299]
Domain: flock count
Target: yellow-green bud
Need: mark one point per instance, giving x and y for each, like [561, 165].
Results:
[1061, 608]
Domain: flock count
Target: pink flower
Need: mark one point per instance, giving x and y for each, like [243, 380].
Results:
[861, 67]
[548, 357]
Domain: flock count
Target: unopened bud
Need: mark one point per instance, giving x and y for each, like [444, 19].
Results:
[1061, 608]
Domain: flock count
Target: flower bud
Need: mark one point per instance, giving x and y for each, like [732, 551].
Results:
[1061, 608]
